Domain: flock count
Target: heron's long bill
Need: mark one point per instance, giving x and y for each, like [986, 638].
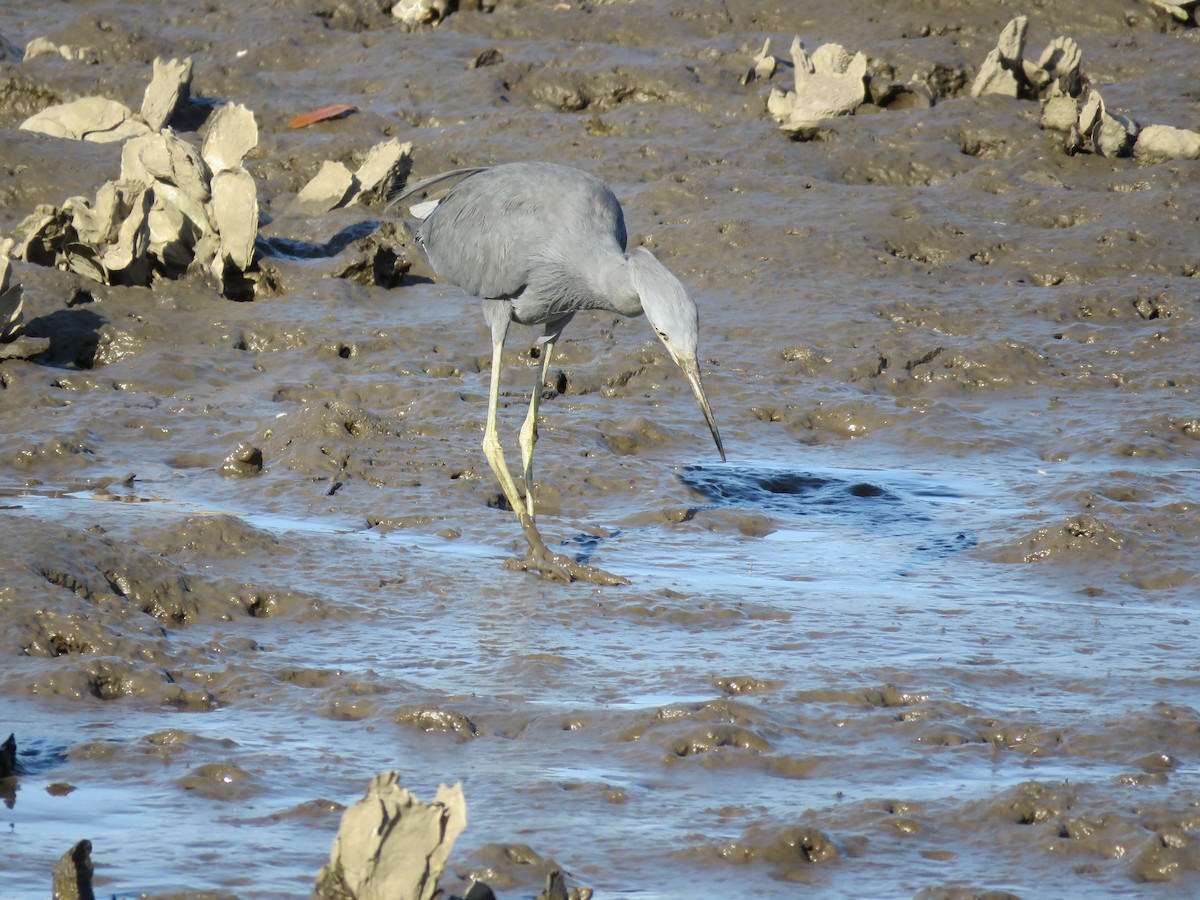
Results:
[691, 370]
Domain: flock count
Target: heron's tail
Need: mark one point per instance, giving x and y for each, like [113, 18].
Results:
[400, 193]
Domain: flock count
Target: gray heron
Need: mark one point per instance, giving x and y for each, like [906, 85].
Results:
[537, 243]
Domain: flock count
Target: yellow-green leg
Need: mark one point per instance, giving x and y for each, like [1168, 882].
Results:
[529, 429]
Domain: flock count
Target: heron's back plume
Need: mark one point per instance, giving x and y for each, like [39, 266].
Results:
[400, 193]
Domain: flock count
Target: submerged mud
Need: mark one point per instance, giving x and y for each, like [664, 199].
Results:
[928, 633]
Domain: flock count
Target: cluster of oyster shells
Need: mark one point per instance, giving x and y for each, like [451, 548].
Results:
[174, 208]
[831, 82]
[1070, 104]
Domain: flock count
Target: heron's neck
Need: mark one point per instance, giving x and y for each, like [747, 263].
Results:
[615, 284]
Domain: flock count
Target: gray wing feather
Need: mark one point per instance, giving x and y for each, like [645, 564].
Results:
[492, 228]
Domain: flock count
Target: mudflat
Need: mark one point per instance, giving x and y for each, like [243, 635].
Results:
[928, 632]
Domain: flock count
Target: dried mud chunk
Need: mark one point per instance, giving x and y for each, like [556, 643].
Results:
[390, 844]
[1082, 536]
[11, 296]
[232, 135]
[243, 462]
[220, 781]
[828, 83]
[386, 164]
[1157, 143]
[165, 158]
[708, 740]
[1032, 802]
[169, 88]
[430, 719]
[235, 209]
[418, 12]
[327, 190]
[87, 119]
[999, 72]
[1167, 855]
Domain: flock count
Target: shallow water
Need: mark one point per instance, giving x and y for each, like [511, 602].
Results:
[930, 629]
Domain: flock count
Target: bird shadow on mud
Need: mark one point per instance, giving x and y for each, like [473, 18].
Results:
[297, 249]
[870, 504]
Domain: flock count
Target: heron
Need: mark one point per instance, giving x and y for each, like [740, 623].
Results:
[539, 242]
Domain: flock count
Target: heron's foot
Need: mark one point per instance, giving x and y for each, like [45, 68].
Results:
[557, 567]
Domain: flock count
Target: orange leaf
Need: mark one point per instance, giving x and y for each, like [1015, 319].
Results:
[336, 111]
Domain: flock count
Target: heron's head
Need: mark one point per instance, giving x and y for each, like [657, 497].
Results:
[672, 315]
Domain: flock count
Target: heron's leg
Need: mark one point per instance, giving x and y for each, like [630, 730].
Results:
[491, 439]
[548, 565]
[529, 429]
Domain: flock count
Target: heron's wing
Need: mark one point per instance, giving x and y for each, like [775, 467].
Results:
[492, 228]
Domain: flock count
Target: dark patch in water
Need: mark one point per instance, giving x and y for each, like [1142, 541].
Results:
[802, 494]
[36, 756]
[888, 511]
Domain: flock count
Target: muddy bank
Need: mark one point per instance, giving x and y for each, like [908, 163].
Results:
[929, 631]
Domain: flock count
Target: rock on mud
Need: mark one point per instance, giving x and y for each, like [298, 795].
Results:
[328, 189]
[335, 186]
[72, 876]
[390, 845]
[386, 164]
[1001, 69]
[829, 83]
[244, 461]
[764, 65]
[1007, 72]
[1157, 143]
[418, 12]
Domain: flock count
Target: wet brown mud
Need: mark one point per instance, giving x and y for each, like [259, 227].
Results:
[930, 632]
